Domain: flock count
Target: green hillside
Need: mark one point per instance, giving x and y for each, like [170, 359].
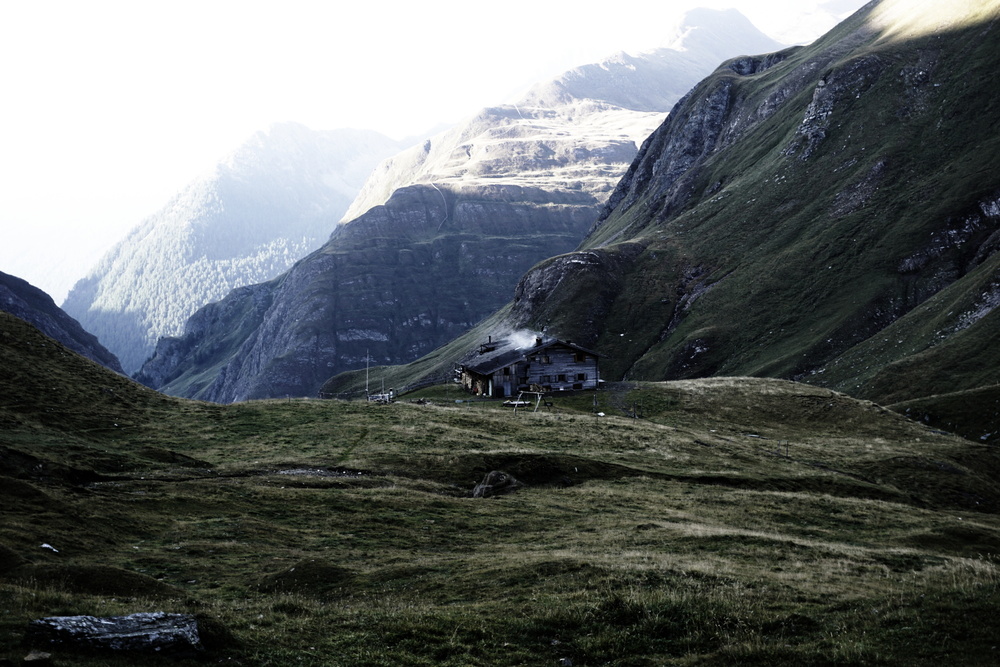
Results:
[719, 521]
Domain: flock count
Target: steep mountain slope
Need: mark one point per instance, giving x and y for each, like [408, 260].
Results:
[23, 300]
[829, 213]
[445, 230]
[268, 204]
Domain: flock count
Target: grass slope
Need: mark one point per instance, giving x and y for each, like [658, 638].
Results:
[798, 258]
[720, 521]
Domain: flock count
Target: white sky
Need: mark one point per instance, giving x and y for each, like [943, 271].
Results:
[108, 108]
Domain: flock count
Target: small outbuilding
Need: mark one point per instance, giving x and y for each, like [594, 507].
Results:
[505, 367]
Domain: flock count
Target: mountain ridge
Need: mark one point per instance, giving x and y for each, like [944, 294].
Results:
[443, 232]
[23, 300]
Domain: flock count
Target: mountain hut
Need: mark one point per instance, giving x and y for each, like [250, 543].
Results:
[505, 367]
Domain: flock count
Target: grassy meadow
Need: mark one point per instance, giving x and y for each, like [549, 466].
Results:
[725, 521]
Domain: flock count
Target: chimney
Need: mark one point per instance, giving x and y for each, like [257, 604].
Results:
[538, 341]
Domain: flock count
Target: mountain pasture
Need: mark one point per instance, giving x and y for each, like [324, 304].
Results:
[717, 521]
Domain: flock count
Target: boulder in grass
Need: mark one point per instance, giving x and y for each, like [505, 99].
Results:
[155, 632]
[496, 483]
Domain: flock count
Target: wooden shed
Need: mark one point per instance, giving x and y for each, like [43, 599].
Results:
[504, 367]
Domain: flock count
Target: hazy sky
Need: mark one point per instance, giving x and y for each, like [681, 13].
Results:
[109, 108]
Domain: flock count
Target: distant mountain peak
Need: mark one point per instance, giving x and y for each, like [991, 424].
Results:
[265, 205]
[704, 29]
[653, 80]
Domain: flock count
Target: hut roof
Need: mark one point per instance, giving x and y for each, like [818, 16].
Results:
[501, 353]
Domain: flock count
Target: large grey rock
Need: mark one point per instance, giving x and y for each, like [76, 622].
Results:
[496, 483]
[154, 632]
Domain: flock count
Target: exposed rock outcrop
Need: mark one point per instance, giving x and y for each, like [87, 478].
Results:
[394, 284]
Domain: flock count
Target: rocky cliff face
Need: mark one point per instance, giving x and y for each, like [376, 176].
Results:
[23, 300]
[826, 213]
[265, 206]
[394, 284]
[436, 240]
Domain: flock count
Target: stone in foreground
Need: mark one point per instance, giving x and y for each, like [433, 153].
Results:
[155, 632]
[496, 483]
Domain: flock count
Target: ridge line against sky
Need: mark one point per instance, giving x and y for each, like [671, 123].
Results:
[113, 107]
